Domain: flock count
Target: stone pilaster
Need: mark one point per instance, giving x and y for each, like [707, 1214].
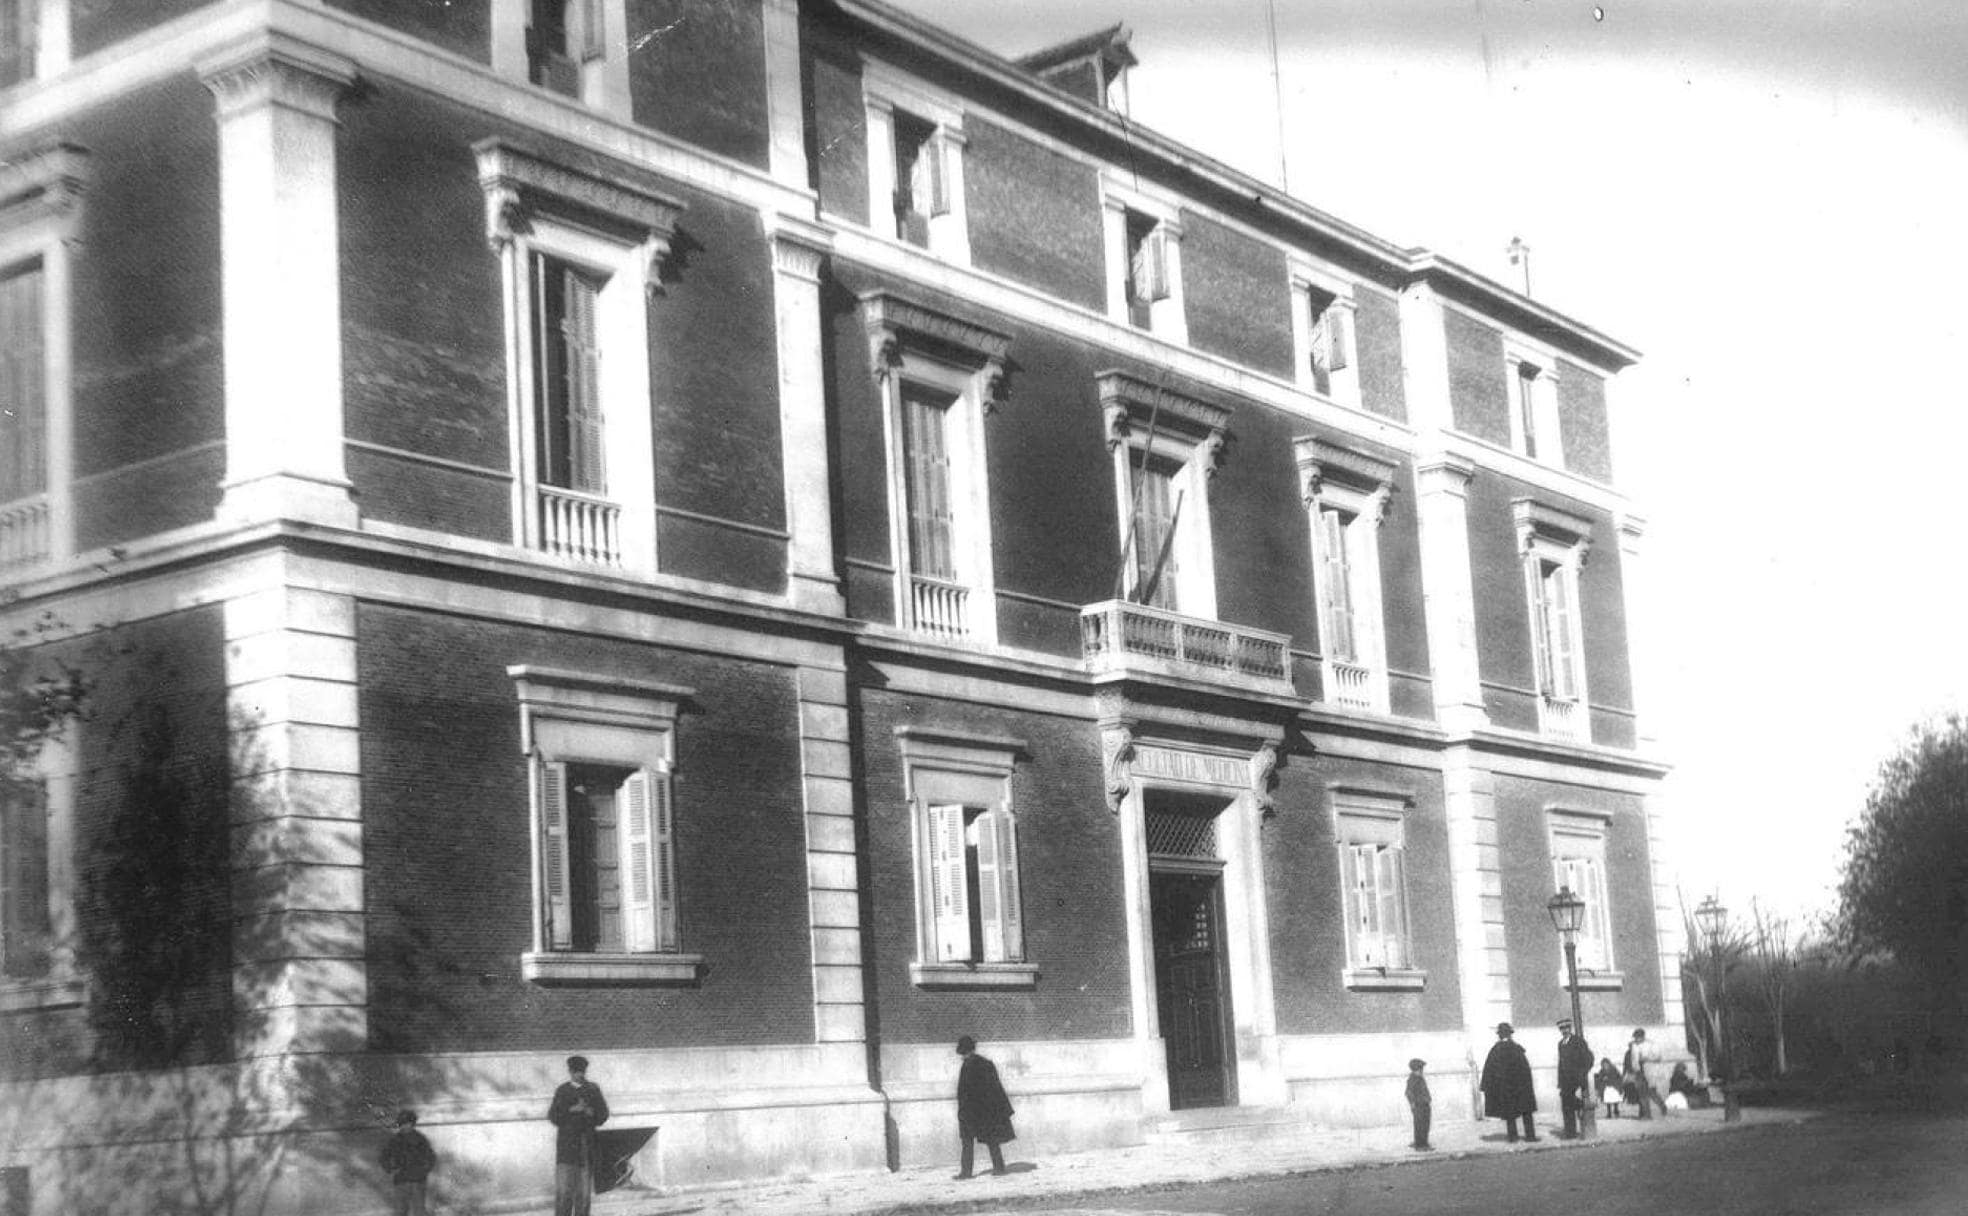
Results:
[1669, 932]
[833, 870]
[799, 250]
[784, 107]
[281, 281]
[1476, 876]
[299, 981]
[1448, 591]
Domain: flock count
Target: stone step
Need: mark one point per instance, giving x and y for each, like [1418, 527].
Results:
[1226, 1125]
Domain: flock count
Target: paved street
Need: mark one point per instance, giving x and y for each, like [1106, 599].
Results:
[1846, 1162]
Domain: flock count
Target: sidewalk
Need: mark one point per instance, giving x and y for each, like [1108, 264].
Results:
[1149, 1167]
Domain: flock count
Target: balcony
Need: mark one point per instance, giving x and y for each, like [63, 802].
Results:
[1563, 718]
[1120, 637]
[939, 607]
[1352, 684]
[580, 527]
[24, 531]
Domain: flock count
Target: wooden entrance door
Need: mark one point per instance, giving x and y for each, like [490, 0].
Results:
[1191, 991]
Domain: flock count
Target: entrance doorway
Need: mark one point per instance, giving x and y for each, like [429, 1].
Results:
[1192, 991]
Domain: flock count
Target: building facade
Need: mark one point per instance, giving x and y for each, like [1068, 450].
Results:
[747, 539]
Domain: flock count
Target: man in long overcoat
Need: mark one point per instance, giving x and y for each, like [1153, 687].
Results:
[983, 1108]
[1507, 1092]
[578, 1108]
[1574, 1076]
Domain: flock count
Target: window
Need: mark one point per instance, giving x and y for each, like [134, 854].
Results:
[40, 208]
[1323, 326]
[581, 255]
[1166, 449]
[25, 926]
[601, 754]
[1144, 262]
[1346, 493]
[1532, 388]
[1578, 862]
[939, 377]
[1554, 545]
[1373, 880]
[971, 923]
[915, 165]
[37, 913]
[567, 48]
[19, 40]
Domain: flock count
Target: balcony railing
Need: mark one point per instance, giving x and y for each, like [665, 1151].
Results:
[1350, 683]
[939, 607]
[1562, 717]
[1120, 636]
[24, 531]
[580, 527]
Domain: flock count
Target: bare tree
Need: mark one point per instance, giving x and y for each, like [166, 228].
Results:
[1774, 945]
[1705, 964]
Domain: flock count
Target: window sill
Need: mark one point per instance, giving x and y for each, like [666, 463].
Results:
[22, 995]
[1385, 979]
[561, 967]
[1598, 981]
[974, 975]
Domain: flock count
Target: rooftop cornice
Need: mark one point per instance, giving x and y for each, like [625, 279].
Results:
[1402, 264]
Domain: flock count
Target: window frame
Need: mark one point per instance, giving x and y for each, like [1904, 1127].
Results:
[600, 79]
[1148, 421]
[1359, 485]
[1372, 818]
[953, 770]
[41, 210]
[581, 718]
[1122, 203]
[617, 230]
[1554, 545]
[1534, 424]
[887, 93]
[1341, 317]
[59, 983]
[913, 347]
[1579, 835]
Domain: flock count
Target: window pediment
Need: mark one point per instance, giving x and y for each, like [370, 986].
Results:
[1323, 464]
[893, 323]
[1542, 525]
[518, 183]
[1130, 402]
[46, 183]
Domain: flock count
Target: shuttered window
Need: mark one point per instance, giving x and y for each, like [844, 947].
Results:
[1329, 344]
[24, 921]
[23, 391]
[1373, 876]
[608, 859]
[1336, 587]
[926, 471]
[1157, 514]
[1148, 263]
[1579, 863]
[976, 908]
[1552, 588]
[568, 367]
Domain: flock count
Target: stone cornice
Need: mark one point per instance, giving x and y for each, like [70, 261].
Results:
[888, 317]
[268, 68]
[1128, 402]
[519, 182]
[1320, 460]
[1538, 521]
[45, 183]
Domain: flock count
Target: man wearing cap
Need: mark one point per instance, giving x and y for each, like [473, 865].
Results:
[1574, 1076]
[1507, 1091]
[578, 1108]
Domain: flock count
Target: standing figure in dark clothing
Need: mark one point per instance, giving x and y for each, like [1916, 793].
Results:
[1611, 1091]
[577, 1109]
[983, 1109]
[1507, 1092]
[1574, 1077]
[1419, 1102]
[408, 1159]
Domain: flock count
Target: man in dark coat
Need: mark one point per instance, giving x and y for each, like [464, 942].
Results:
[983, 1108]
[1507, 1092]
[578, 1108]
[1574, 1077]
[409, 1159]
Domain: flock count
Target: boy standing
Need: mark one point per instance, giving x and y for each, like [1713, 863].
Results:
[409, 1159]
[1419, 1101]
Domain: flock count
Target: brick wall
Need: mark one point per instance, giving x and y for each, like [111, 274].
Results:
[95, 24]
[445, 828]
[463, 27]
[1536, 954]
[1034, 215]
[1478, 397]
[837, 122]
[697, 71]
[1377, 339]
[1070, 874]
[1236, 295]
[1582, 423]
[1308, 917]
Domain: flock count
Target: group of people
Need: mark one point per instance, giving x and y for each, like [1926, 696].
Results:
[983, 1113]
[1508, 1092]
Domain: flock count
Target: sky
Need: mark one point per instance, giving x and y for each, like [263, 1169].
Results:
[1769, 198]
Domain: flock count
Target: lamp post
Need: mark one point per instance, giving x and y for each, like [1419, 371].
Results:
[1713, 919]
[1567, 914]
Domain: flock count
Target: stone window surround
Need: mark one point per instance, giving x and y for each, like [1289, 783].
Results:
[1388, 810]
[885, 90]
[1362, 485]
[1193, 433]
[1592, 826]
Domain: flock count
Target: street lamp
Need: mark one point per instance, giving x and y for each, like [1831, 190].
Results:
[1567, 914]
[1713, 918]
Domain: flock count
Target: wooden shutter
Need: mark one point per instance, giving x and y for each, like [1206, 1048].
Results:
[638, 865]
[554, 862]
[990, 892]
[1564, 633]
[932, 520]
[23, 396]
[1336, 359]
[929, 177]
[1540, 624]
[592, 31]
[1335, 588]
[1388, 890]
[1363, 906]
[585, 469]
[1011, 907]
[1149, 266]
[24, 922]
[949, 900]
